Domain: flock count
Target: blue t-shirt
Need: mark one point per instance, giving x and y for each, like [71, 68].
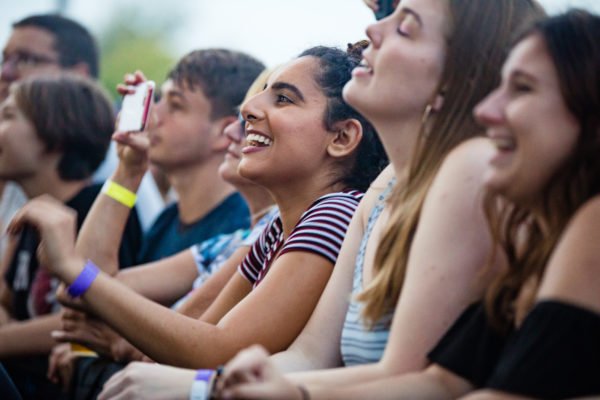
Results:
[168, 235]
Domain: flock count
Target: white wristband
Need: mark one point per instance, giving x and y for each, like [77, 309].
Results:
[201, 387]
[199, 391]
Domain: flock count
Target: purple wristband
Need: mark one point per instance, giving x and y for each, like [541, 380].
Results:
[204, 375]
[84, 280]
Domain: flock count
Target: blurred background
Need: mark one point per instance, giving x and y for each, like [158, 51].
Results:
[152, 34]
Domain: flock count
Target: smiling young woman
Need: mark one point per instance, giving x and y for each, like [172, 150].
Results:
[318, 142]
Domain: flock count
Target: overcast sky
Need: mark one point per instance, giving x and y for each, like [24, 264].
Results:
[272, 30]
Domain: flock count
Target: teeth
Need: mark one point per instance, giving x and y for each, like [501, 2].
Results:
[254, 139]
[504, 143]
[364, 64]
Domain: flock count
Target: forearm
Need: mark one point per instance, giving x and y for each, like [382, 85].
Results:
[493, 395]
[342, 376]
[163, 281]
[100, 236]
[421, 386]
[201, 299]
[28, 337]
[294, 361]
[175, 339]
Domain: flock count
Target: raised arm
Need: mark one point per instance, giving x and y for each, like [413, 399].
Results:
[100, 235]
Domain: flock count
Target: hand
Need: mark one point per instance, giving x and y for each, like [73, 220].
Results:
[132, 147]
[81, 328]
[66, 300]
[252, 375]
[150, 382]
[56, 225]
[372, 4]
[60, 365]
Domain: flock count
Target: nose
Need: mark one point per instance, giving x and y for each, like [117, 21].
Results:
[252, 110]
[234, 131]
[374, 33]
[8, 71]
[490, 111]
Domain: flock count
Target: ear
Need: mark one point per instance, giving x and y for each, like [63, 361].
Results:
[220, 141]
[80, 68]
[345, 139]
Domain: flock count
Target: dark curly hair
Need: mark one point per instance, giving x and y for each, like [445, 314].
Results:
[335, 71]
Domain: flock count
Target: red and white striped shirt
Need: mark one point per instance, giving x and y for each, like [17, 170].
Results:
[320, 230]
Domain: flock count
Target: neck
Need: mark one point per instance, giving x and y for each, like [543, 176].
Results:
[293, 200]
[399, 139]
[258, 199]
[199, 189]
[51, 184]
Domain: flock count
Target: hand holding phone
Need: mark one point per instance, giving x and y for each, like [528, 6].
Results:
[386, 7]
[136, 107]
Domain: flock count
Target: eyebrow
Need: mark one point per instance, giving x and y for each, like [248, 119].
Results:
[174, 93]
[406, 10]
[523, 74]
[288, 86]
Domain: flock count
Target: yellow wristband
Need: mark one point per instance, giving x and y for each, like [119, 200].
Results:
[119, 193]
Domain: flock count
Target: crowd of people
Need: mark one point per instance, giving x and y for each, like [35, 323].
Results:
[410, 217]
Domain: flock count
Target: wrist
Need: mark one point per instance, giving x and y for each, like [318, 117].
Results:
[119, 193]
[128, 176]
[82, 282]
[202, 384]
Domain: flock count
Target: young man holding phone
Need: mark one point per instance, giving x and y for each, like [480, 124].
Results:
[185, 139]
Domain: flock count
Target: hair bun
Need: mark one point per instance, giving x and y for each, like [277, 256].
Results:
[356, 49]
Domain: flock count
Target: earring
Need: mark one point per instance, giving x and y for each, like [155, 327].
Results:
[426, 114]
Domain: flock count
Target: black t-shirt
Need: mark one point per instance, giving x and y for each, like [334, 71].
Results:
[555, 354]
[33, 287]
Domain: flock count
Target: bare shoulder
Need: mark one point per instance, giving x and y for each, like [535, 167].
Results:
[468, 158]
[460, 177]
[580, 238]
[573, 271]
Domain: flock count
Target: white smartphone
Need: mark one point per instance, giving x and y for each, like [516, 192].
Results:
[136, 107]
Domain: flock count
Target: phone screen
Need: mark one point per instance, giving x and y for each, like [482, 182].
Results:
[135, 108]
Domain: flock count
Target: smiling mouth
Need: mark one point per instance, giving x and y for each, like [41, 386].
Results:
[364, 64]
[256, 140]
[504, 143]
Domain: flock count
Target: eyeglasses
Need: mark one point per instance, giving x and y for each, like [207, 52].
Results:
[23, 61]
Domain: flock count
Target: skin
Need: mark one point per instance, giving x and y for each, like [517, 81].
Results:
[432, 297]
[572, 272]
[30, 41]
[521, 114]
[294, 282]
[23, 158]
[166, 280]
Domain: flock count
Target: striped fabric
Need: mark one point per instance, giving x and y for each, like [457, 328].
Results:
[320, 230]
[360, 345]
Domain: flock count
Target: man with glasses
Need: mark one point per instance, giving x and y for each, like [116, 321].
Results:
[43, 44]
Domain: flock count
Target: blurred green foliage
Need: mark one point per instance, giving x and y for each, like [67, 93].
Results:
[134, 41]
